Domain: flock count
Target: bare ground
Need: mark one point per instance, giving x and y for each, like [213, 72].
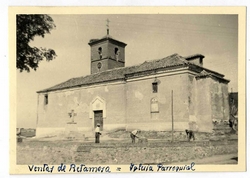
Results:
[116, 148]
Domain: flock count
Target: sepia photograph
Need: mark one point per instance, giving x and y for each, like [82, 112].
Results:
[146, 91]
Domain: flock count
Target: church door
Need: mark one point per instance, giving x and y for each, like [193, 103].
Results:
[98, 119]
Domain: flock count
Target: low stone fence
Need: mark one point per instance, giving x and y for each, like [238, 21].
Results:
[120, 153]
[154, 152]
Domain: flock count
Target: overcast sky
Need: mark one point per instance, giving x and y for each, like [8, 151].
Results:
[147, 37]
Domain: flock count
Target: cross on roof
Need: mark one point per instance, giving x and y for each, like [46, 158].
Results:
[107, 26]
[107, 23]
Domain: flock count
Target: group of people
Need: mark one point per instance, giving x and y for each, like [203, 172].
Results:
[134, 134]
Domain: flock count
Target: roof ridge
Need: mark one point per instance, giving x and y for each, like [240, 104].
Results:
[56, 85]
[205, 73]
[118, 68]
[174, 60]
[152, 60]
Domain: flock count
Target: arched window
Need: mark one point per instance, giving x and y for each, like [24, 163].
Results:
[154, 108]
[117, 52]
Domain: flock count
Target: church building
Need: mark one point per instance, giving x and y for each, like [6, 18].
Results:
[145, 96]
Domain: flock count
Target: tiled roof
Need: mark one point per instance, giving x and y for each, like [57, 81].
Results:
[170, 61]
[204, 74]
[173, 61]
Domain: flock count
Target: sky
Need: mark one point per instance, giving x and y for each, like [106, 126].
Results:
[147, 37]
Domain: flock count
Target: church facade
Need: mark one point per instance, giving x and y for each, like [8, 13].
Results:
[144, 96]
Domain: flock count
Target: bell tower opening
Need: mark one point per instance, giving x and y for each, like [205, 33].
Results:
[100, 52]
[106, 53]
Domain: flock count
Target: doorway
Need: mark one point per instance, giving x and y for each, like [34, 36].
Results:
[98, 119]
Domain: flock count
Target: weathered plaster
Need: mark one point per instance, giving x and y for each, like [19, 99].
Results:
[128, 105]
[55, 114]
[138, 95]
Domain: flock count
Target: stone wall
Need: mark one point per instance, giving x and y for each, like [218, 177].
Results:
[68, 152]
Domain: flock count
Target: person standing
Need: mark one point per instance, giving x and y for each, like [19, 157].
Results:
[133, 134]
[97, 133]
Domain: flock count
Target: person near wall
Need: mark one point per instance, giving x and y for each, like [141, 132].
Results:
[134, 134]
[190, 134]
[233, 121]
[97, 133]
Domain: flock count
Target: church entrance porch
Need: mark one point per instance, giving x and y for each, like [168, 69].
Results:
[98, 119]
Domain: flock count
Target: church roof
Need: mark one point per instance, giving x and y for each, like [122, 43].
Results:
[168, 63]
[205, 74]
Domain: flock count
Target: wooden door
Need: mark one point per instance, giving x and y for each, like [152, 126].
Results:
[98, 119]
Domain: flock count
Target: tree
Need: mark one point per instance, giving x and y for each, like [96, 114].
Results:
[27, 27]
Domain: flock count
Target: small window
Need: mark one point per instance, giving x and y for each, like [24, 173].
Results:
[100, 52]
[46, 99]
[155, 87]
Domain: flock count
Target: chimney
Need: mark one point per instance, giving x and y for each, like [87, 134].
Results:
[196, 59]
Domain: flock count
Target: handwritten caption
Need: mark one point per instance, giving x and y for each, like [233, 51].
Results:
[106, 169]
[161, 168]
[72, 168]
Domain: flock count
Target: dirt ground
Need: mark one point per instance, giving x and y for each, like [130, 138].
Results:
[217, 159]
[116, 148]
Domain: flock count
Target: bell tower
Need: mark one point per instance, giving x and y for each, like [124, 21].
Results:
[106, 53]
